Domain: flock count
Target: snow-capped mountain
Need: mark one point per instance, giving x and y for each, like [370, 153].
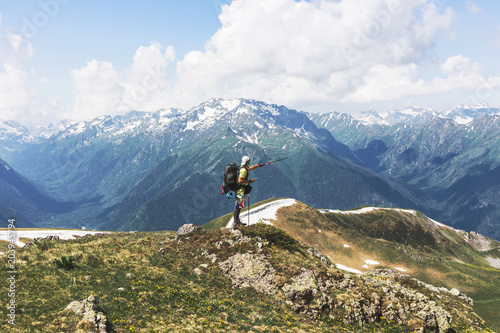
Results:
[235, 113]
[250, 121]
[417, 115]
[131, 168]
[12, 135]
[452, 156]
[46, 131]
[162, 168]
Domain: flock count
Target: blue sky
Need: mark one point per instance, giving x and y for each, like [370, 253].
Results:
[81, 59]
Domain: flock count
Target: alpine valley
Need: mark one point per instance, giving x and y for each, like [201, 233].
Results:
[452, 158]
[159, 170]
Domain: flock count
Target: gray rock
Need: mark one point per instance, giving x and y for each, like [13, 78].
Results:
[236, 232]
[250, 270]
[87, 309]
[187, 229]
[303, 287]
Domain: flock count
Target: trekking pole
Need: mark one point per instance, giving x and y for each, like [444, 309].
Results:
[248, 210]
[281, 159]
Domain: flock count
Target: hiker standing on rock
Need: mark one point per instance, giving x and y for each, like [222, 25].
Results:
[243, 188]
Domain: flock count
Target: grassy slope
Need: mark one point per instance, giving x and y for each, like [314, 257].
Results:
[142, 290]
[402, 240]
[161, 293]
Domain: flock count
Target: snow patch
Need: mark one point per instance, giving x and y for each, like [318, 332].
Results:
[349, 269]
[264, 213]
[463, 120]
[371, 262]
[345, 245]
[366, 210]
[250, 139]
[400, 269]
[271, 108]
[191, 125]
[63, 234]
[230, 104]
[495, 262]
[443, 225]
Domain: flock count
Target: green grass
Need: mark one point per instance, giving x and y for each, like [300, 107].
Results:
[402, 239]
[161, 292]
[141, 289]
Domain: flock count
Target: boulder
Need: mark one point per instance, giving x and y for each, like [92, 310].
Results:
[187, 229]
[91, 317]
[250, 270]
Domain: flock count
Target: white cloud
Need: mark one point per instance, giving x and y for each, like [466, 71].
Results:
[386, 83]
[146, 79]
[472, 8]
[97, 85]
[103, 90]
[14, 93]
[296, 53]
[18, 85]
[460, 66]
[300, 53]
[23, 49]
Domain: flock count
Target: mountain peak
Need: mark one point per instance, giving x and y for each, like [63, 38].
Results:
[416, 115]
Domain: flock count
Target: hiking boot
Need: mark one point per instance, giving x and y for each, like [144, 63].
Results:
[238, 224]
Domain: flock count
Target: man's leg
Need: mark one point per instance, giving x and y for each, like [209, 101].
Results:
[236, 213]
[239, 204]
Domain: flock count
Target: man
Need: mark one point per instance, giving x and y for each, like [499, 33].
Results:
[243, 188]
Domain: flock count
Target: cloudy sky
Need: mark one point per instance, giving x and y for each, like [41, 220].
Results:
[81, 59]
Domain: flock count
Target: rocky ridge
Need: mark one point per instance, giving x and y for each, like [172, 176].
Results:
[324, 292]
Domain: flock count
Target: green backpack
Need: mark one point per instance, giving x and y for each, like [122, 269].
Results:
[230, 182]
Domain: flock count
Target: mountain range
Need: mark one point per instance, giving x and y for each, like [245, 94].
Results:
[454, 164]
[159, 170]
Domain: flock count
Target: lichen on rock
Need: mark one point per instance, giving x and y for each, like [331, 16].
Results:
[91, 317]
[250, 270]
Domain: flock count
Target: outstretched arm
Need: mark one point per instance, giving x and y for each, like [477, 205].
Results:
[253, 167]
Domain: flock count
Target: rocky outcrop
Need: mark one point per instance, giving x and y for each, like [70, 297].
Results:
[92, 320]
[478, 241]
[187, 229]
[360, 300]
[324, 292]
[307, 294]
[250, 270]
[38, 240]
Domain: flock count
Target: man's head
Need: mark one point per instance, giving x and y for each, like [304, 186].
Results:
[245, 160]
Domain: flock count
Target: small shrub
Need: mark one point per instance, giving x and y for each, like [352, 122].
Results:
[41, 244]
[65, 263]
[273, 235]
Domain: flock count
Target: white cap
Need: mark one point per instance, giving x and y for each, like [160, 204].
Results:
[244, 160]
